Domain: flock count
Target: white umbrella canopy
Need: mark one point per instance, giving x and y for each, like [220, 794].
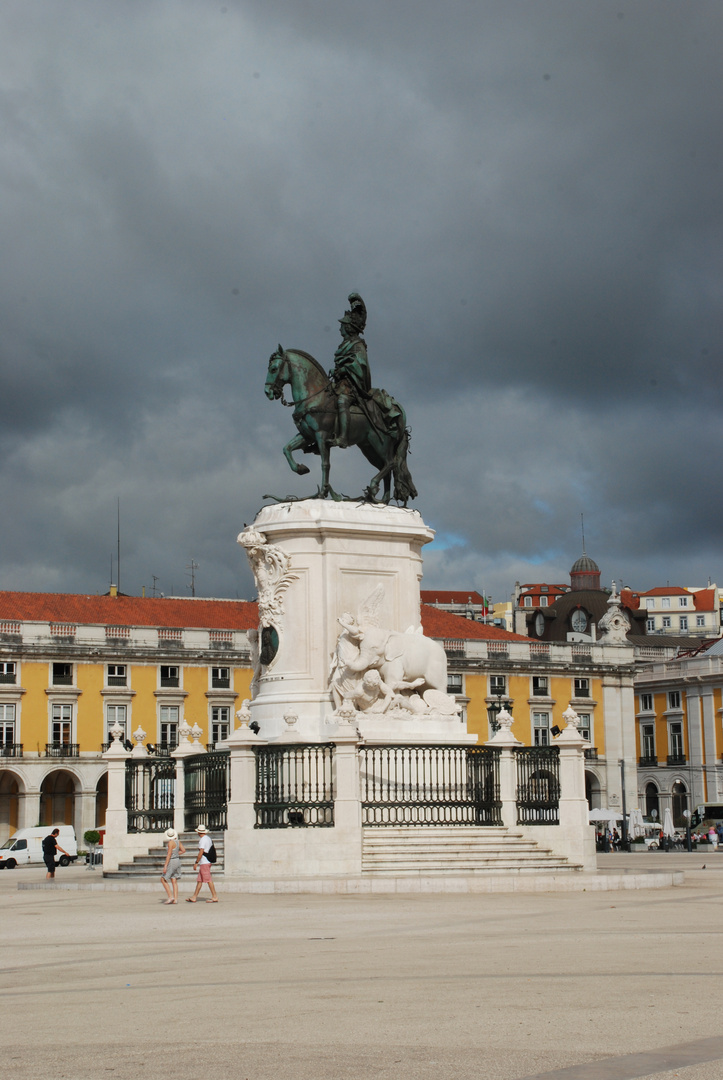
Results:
[603, 815]
[668, 829]
[636, 826]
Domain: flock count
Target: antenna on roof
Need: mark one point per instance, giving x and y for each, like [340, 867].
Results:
[582, 529]
[192, 567]
[155, 587]
[118, 545]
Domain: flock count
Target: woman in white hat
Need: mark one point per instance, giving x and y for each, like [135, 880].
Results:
[203, 863]
[172, 870]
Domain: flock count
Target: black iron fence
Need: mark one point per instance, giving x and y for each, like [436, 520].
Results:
[207, 789]
[71, 749]
[294, 786]
[150, 794]
[538, 785]
[11, 749]
[430, 785]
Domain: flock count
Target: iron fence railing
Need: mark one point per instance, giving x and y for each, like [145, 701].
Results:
[62, 749]
[207, 789]
[538, 785]
[150, 794]
[11, 749]
[294, 786]
[430, 785]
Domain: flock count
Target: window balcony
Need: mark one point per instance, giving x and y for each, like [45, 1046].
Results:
[647, 761]
[591, 753]
[676, 759]
[62, 750]
[11, 750]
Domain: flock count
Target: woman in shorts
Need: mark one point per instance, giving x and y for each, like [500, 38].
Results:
[172, 869]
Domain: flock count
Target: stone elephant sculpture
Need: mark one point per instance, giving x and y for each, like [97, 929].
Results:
[407, 661]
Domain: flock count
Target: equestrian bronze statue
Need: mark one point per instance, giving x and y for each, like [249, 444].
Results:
[342, 409]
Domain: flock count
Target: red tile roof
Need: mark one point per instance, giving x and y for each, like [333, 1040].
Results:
[666, 590]
[197, 614]
[442, 624]
[128, 611]
[629, 599]
[704, 600]
[447, 596]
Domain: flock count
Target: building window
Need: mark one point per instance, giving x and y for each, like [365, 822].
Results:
[169, 675]
[115, 714]
[674, 699]
[169, 725]
[650, 624]
[649, 741]
[541, 728]
[527, 601]
[539, 686]
[454, 683]
[652, 801]
[683, 601]
[683, 622]
[498, 685]
[700, 620]
[62, 717]
[646, 702]
[666, 622]
[7, 725]
[680, 803]
[117, 675]
[7, 671]
[584, 726]
[220, 678]
[665, 602]
[543, 601]
[582, 688]
[649, 602]
[62, 674]
[220, 720]
[676, 740]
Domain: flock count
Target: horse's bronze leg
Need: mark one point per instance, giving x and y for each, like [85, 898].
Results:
[296, 444]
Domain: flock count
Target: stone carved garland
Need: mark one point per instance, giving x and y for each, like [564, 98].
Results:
[377, 671]
[270, 567]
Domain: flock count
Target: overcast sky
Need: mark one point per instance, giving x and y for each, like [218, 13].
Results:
[526, 194]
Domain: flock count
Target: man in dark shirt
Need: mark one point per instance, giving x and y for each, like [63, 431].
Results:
[50, 847]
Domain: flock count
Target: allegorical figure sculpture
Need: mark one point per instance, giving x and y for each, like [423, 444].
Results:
[343, 409]
[379, 670]
[270, 566]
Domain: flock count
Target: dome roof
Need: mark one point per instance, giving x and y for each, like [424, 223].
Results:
[585, 565]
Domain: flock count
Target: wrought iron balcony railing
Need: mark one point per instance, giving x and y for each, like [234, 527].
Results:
[62, 749]
[647, 760]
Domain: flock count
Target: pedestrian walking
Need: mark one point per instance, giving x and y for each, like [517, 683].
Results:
[203, 862]
[50, 848]
[171, 872]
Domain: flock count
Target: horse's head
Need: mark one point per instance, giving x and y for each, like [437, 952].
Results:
[277, 375]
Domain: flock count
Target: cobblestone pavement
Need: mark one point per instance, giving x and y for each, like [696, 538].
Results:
[573, 986]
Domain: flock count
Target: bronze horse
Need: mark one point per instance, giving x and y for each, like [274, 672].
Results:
[315, 415]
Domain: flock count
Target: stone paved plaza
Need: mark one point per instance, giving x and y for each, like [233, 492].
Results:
[575, 986]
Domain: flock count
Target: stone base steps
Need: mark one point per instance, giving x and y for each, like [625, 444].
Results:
[151, 865]
[463, 850]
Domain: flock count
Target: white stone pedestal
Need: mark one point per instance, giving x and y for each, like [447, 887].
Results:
[321, 559]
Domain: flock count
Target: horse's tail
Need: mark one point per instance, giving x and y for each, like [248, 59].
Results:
[404, 488]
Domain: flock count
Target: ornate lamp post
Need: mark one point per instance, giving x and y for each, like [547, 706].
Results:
[494, 710]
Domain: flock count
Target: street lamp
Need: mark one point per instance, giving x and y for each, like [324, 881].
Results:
[494, 710]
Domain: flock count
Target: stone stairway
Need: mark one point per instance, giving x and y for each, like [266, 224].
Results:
[151, 865]
[440, 849]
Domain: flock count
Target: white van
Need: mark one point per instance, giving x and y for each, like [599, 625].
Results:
[26, 846]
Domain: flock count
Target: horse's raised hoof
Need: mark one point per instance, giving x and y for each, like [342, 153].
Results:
[302, 469]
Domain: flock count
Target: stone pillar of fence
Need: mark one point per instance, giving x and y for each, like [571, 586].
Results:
[116, 815]
[239, 857]
[504, 741]
[577, 833]
[184, 749]
[347, 797]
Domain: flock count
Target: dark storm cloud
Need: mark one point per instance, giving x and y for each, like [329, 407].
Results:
[526, 195]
